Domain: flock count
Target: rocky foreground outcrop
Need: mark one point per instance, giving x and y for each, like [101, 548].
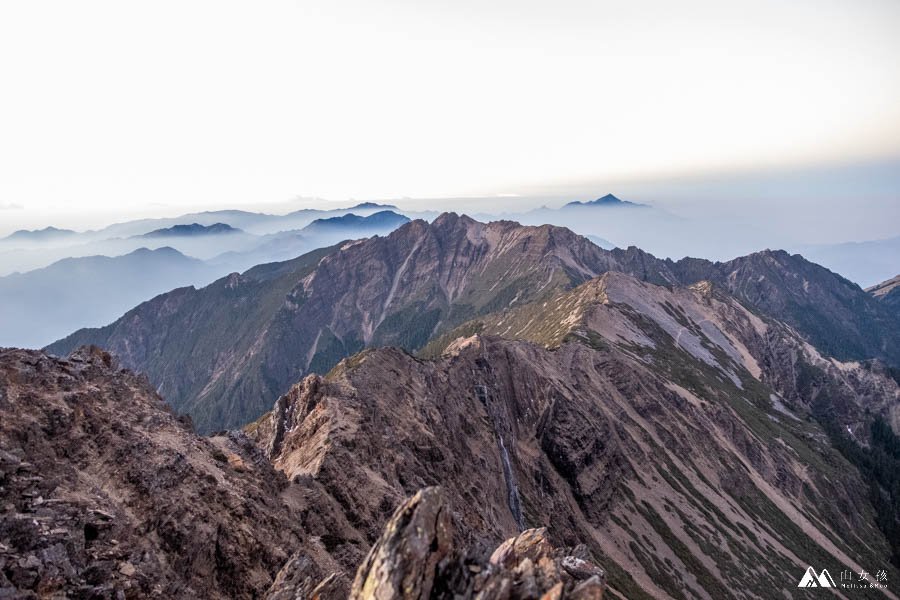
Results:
[105, 492]
[416, 558]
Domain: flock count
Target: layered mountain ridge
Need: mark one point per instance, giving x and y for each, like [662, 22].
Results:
[423, 279]
[192, 229]
[393, 290]
[89, 291]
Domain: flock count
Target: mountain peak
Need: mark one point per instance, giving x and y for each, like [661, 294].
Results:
[450, 220]
[609, 200]
[447, 217]
[379, 220]
[163, 251]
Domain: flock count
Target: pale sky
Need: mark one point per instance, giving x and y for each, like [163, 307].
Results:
[116, 109]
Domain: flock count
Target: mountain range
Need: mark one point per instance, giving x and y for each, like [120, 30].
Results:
[44, 304]
[458, 409]
[251, 222]
[400, 289]
[38, 235]
[27, 250]
[608, 218]
[631, 427]
[422, 280]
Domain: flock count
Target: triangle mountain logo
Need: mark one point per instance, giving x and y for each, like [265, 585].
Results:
[810, 579]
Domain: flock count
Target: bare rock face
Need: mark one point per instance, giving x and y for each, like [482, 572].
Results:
[404, 561]
[105, 493]
[415, 559]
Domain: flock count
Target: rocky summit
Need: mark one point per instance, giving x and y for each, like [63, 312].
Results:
[104, 491]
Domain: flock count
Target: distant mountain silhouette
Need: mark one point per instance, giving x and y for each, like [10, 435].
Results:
[39, 235]
[194, 229]
[41, 305]
[865, 263]
[373, 205]
[379, 220]
[606, 201]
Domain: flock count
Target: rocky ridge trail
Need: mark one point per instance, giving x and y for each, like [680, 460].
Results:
[664, 325]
